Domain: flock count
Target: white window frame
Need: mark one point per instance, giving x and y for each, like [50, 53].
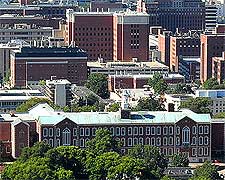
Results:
[123, 141]
[82, 142]
[194, 142]
[153, 141]
[135, 141]
[94, 131]
[170, 141]
[201, 140]
[158, 129]
[130, 142]
[51, 142]
[57, 132]
[82, 131]
[130, 131]
[194, 130]
[140, 130]
[158, 141]
[178, 141]
[74, 131]
[87, 131]
[153, 130]
[177, 130]
[45, 132]
[112, 131]
[141, 141]
[192, 153]
[123, 131]
[206, 151]
[201, 130]
[186, 135]
[66, 137]
[50, 132]
[117, 131]
[135, 133]
[165, 130]
[164, 141]
[148, 130]
[206, 129]
[202, 151]
[148, 141]
[206, 139]
[170, 130]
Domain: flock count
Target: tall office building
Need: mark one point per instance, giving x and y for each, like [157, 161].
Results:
[110, 36]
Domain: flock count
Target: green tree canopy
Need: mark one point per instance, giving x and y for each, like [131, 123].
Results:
[114, 107]
[149, 104]
[158, 84]
[98, 83]
[179, 160]
[206, 171]
[32, 102]
[220, 115]
[153, 161]
[102, 143]
[210, 83]
[198, 105]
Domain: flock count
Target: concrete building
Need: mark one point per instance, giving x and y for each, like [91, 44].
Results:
[173, 132]
[184, 15]
[58, 91]
[212, 45]
[110, 36]
[218, 68]
[217, 96]
[24, 32]
[127, 68]
[210, 16]
[11, 99]
[30, 65]
[5, 51]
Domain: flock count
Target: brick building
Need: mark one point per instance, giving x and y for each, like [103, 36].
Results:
[212, 45]
[172, 132]
[218, 68]
[30, 65]
[110, 36]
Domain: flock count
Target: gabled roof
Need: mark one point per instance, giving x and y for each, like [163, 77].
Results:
[18, 121]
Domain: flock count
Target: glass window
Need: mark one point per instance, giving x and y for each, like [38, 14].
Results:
[170, 141]
[194, 130]
[200, 129]
[200, 140]
[206, 151]
[81, 142]
[66, 137]
[194, 151]
[57, 142]
[194, 141]
[129, 130]
[177, 130]
[94, 131]
[165, 141]
[171, 130]
[177, 141]
[135, 141]
[129, 141]
[117, 131]
[206, 140]
[81, 131]
[87, 131]
[141, 141]
[135, 130]
[147, 130]
[51, 142]
[112, 130]
[123, 141]
[74, 131]
[50, 132]
[140, 130]
[200, 151]
[58, 132]
[158, 141]
[206, 129]
[165, 130]
[45, 132]
[147, 141]
[123, 131]
[153, 141]
[152, 130]
[186, 135]
[158, 130]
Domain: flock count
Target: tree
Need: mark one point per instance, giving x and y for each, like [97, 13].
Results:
[98, 167]
[206, 171]
[149, 104]
[42, 82]
[32, 102]
[153, 161]
[198, 105]
[114, 107]
[38, 150]
[69, 158]
[102, 143]
[220, 115]
[98, 83]
[179, 160]
[210, 83]
[158, 84]
[167, 178]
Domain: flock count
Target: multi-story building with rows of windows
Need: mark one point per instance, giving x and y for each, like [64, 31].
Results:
[172, 132]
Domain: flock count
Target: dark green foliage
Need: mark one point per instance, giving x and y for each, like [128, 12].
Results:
[149, 104]
[98, 83]
[114, 107]
[211, 83]
[102, 143]
[158, 84]
[179, 160]
[198, 105]
[32, 102]
[220, 115]
[206, 171]
[153, 161]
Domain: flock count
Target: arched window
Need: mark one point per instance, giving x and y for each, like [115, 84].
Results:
[66, 141]
[186, 135]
